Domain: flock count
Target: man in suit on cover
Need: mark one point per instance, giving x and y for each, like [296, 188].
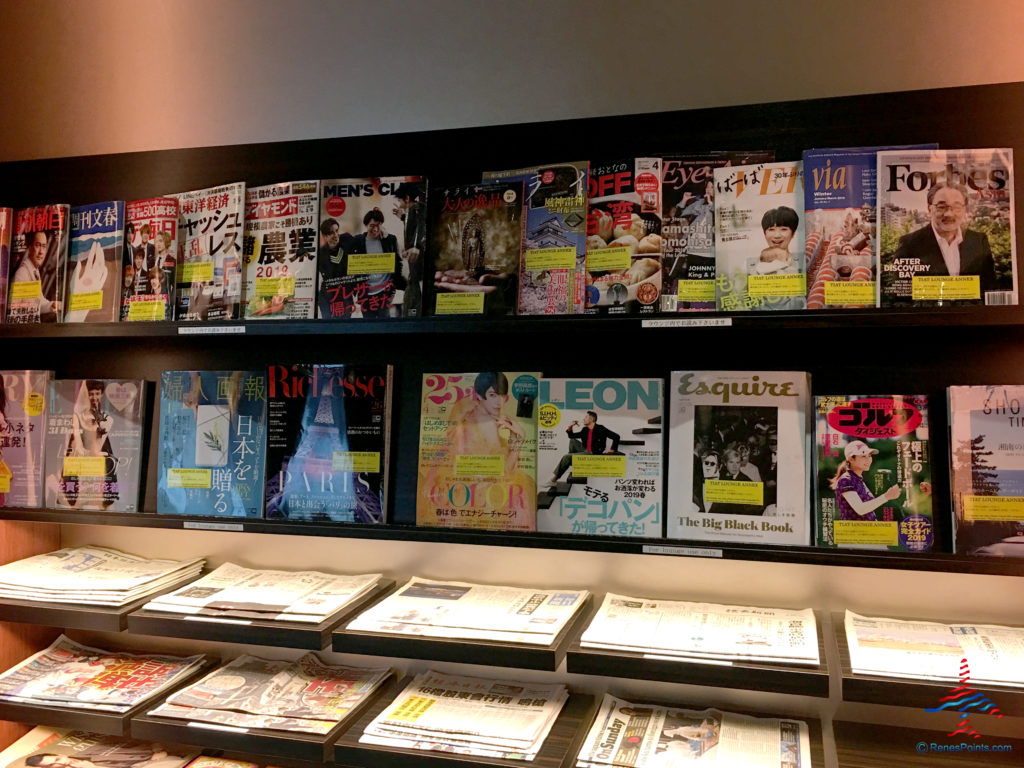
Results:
[944, 245]
[593, 438]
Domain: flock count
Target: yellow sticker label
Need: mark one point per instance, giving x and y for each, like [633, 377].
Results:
[549, 415]
[31, 289]
[696, 290]
[866, 532]
[550, 258]
[34, 403]
[733, 492]
[410, 710]
[196, 272]
[355, 461]
[459, 304]
[5, 483]
[178, 477]
[933, 287]
[588, 465]
[275, 286]
[1003, 509]
[82, 301]
[147, 309]
[860, 293]
[615, 259]
[777, 285]
[370, 263]
[85, 466]
[479, 464]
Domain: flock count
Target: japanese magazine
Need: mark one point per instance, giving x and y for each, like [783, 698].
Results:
[599, 456]
[624, 237]
[928, 650]
[987, 478]
[475, 241]
[306, 695]
[93, 276]
[946, 228]
[328, 445]
[739, 446]
[648, 735]
[103, 752]
[478, 451]
[690, 630]
[23, 399]
[688, 228]
[469, 716]
[38, 264]
[94, 441]
[552, 268]
[456, 609]
[205, 761]
[209, 277]
[279, 249]
[372, 247]
[213, 437]
[759, 237]
[873, 472]
[150, 260]
[6, 222]
[68, 674]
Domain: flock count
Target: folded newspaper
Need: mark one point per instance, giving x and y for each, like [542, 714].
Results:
[232, 591]
[703, 631]
[306, 695]
[469, 716]
[626, 735]
[68, 674]
[92, 576]
[78, 749]
[454, 609]
[932, 651]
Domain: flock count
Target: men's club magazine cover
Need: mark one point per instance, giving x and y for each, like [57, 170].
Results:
[986, 425]
[688, 228]
[94, 433]
[279, 250]
[624, 237]
[150, 259]
[946, 228]
[328, 445]
[552, 269]
[23, 399]
[740, 459]
[759, 237]
[476, 239]
[873, 472]
[599, 456]
[94, 263]
[372, 247]
[478, 451]
[6, 222]
[213, 437]
[38, 264]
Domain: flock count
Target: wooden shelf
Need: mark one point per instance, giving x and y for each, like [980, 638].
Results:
[863, 745]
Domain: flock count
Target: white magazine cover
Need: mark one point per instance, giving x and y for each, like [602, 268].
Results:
[740, 448]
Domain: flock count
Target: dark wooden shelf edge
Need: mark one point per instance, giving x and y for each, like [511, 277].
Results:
[866, 745]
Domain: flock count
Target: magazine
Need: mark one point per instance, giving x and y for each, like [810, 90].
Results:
[96, 751]
[38, 264]
[22, 436]
[150, 259]
[93, 288]
[6, 223]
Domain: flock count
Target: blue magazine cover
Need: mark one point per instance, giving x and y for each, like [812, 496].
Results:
[94, 263]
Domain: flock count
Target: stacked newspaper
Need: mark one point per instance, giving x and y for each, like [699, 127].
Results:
[698, 631]
[641, 735]
[307, 695]
[92, 576]
[932, 651]
[469, 716]
[453, 609]
[68, 674]
[234, 592]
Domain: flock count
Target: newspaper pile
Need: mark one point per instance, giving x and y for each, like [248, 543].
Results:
[92, 576]
[454, 609]
[89, 750]
[932, 651]
[68, 674]
[234, 592]
[695, 631]
[469, 716]
[306, 695]
[626, 735]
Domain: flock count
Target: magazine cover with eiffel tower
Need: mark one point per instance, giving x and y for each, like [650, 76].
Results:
[599, 457]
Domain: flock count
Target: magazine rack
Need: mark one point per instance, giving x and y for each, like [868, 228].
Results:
[863, 745]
